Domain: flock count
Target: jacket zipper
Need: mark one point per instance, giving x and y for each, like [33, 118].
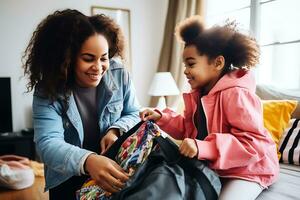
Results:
[206, 121]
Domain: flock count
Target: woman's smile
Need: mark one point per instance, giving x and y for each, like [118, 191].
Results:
[94, 76]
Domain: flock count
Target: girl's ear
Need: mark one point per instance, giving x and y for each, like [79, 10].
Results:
[219, 63]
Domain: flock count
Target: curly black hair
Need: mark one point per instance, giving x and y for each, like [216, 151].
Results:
[240, 51]
[50, 57]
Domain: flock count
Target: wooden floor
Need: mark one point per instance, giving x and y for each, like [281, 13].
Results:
[35, 192]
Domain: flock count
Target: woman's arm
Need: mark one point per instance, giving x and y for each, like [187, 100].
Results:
[49, 138]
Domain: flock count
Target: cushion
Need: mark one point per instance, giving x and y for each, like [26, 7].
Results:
[289, 145]
[272, 93]
[277, 114]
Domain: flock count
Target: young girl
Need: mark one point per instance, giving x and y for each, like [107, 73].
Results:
[223, 119]
[83, 99]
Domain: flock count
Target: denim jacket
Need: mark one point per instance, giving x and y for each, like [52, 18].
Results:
[59, 138]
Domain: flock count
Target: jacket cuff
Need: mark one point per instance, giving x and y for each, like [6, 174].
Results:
[82, 163]
[207, 150]
[121, 130]
[164, 118]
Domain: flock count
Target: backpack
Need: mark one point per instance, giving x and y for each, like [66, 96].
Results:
[129, 151]
[170, 176]
[164, 173]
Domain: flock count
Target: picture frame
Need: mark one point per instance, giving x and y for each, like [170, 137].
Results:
[122, 18]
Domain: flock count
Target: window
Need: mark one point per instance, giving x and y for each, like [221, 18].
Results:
[274, 24]
[234, 10]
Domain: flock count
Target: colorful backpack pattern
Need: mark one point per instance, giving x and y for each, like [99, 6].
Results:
[132, 153]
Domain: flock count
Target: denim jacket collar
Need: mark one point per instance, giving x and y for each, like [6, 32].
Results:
[74, 117]
[105, 90]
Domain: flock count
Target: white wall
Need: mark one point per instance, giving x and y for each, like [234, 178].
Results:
[18, 20]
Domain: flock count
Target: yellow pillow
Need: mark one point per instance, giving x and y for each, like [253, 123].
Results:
[277, 114]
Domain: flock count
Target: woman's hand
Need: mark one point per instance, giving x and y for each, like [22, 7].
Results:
[110, 137]
[188, 148]
[106, 172]
[149, 114]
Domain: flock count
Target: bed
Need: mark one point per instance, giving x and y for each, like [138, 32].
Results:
[287, 186]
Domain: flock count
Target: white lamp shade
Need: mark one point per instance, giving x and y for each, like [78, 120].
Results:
[163, 84]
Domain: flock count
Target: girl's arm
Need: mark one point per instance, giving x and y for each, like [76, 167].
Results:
[172, 123]
[247, 141]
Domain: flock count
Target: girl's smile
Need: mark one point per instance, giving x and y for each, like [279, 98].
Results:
[199, 70]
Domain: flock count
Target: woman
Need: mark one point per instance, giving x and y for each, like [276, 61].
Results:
[83, 99]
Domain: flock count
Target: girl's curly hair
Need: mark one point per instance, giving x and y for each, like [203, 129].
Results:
[239, 50]
[50, 57]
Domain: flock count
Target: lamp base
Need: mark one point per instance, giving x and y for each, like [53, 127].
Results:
[161, 103]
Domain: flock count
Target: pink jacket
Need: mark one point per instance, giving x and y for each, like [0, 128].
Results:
[237, 145]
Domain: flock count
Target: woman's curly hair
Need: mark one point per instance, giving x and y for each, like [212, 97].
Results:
[50, 57]
[239, 50]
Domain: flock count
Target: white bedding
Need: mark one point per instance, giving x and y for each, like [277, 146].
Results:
[287, 186]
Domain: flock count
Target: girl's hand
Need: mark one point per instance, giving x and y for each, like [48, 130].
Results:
[106, 172]
[188, 148]
[149, 114]
[110, 137]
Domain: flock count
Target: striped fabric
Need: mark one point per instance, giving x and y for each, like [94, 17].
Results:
[289, 145]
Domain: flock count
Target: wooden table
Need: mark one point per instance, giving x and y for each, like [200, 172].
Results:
[35, 192]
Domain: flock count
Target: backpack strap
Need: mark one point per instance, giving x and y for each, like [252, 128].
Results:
[172, 155]
[114, 148]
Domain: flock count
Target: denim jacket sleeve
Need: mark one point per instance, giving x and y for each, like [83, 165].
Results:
[130, 113]
[58, 155]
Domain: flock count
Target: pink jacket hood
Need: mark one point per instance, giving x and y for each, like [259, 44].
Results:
[237, 78]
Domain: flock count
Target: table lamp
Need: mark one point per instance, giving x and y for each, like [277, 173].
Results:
[163, 84]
